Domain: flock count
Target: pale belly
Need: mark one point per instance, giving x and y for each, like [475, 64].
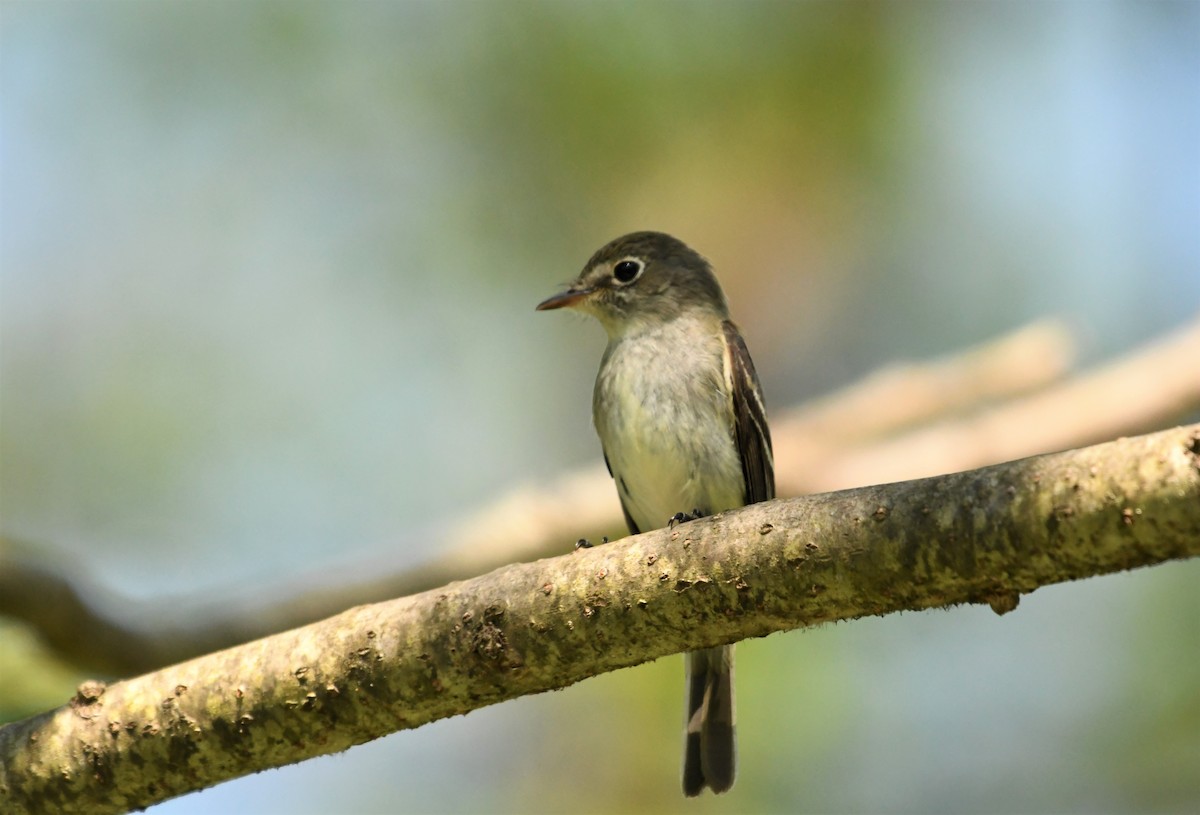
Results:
[665, 422]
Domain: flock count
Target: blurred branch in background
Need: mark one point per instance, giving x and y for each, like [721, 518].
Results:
[999, 401]
[1153, 386]
[532, 627]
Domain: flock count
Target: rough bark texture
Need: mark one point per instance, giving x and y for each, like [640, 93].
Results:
[981, 536]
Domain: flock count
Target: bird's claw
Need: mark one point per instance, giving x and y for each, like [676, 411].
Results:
[584, 543]
[683, 517]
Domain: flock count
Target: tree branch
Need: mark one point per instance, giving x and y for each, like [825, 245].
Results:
[876, 430]
[115, 636]
[983, 536]
[1153, 385]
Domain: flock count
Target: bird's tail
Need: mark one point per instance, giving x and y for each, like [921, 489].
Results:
[710, 754]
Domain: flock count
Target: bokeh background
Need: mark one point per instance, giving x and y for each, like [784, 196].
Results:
[268, 275]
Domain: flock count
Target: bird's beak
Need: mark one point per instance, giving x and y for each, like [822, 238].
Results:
[565, 299]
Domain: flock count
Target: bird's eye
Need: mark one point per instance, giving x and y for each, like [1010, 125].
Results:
[627, 270]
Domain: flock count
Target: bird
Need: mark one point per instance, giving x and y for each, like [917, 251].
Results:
[680, 414]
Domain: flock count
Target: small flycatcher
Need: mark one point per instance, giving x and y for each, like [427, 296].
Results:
[681, 419]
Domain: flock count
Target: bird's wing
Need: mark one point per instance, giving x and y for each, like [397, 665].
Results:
[749, 418]
[633, 528]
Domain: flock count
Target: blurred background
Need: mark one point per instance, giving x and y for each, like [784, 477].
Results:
[268, 274]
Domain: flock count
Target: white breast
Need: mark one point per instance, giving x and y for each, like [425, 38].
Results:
[665, 418]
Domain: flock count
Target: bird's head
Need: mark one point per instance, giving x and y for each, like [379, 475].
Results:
[643, 278]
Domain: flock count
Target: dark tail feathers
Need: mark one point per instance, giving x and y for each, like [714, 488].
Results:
[710, 751]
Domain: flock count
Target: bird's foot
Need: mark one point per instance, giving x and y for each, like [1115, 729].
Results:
[584, 543]
[683, 517]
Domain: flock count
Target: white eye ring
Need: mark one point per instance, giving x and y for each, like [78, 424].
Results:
[627, 270]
